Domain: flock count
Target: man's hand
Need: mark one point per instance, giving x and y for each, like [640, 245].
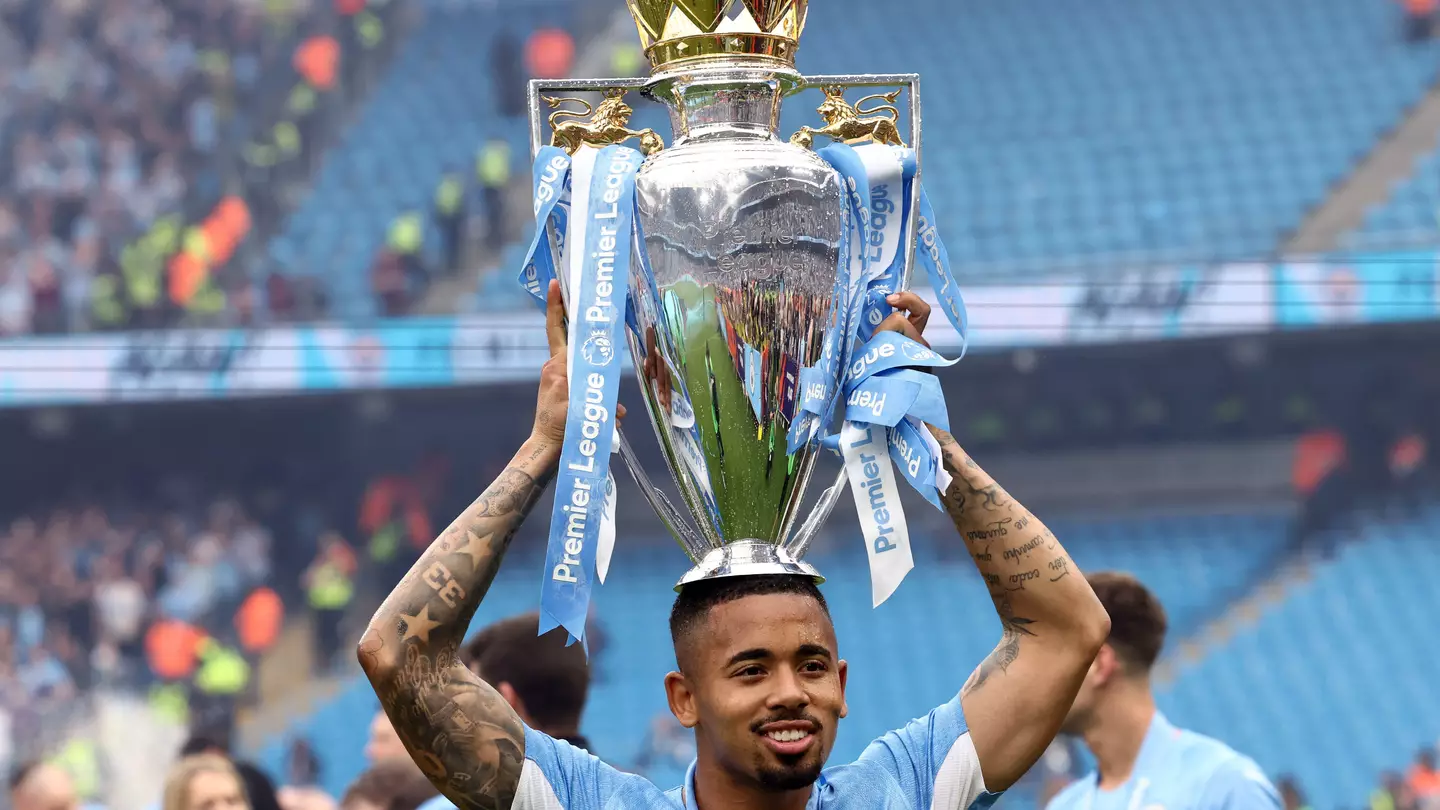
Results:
[554, 400]
[910, 318]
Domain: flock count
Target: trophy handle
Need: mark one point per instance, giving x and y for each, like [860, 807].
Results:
[688, 535]
[867, 131]
[799, 542]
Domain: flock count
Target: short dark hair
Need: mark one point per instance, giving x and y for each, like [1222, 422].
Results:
[202, 743]
[696, 599]
[552, 679]
[22, 772]
[1137, 619]
[394, 784]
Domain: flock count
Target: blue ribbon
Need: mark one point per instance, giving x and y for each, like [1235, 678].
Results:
[936, 260]
[882, 206]
[552, 187]
[599, 314]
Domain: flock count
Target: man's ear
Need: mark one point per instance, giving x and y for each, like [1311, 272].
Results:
[513, 698]
[844, 669]
[682, 700]
[1107, 665]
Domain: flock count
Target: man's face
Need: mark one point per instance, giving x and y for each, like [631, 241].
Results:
[1083, 709]
[46, 788]
[763, 688]
[384, 743]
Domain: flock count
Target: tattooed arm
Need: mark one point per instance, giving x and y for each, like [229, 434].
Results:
[458, 729]
[1051, 623]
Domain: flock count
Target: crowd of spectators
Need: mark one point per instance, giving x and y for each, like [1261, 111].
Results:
[112, 113]
[80, 587]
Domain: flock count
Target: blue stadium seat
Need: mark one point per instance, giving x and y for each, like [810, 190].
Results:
[1411, 215]
[1061, 133]
[431, 112]
[1284, 689]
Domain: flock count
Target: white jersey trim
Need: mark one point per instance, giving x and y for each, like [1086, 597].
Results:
[534, 791]
[958, 782]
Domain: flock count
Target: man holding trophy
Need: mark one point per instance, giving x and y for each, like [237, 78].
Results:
[760, 286]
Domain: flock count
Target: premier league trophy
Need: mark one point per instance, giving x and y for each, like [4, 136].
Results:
[747, 272]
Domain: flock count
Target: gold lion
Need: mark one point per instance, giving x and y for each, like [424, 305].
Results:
[850, 124]
[607, 124]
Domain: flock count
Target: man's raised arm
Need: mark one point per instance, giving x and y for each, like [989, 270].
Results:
[1051, 623]
[458, 729]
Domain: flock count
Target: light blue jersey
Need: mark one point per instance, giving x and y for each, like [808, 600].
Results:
[1178, 770]
[930, 763]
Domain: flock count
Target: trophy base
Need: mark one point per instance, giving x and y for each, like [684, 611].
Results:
[748, 558]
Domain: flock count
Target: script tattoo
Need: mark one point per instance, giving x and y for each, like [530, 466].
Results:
[458, 729]
[1060, 566]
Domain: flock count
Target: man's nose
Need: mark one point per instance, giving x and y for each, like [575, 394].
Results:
[789, 691]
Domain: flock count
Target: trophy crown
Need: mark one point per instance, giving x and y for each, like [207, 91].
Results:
[679, 31]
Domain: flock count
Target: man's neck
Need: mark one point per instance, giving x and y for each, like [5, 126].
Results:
[1117, 732]
[718, 789]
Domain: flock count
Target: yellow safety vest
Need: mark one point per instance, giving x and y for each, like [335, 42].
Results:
[448, 195]
[80, 761]
[331, 589]
[407, 234]
[223, 671]
[493, 165]
[105, 305]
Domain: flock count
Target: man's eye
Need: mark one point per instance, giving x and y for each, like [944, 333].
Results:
[750, 672]
[814, 666]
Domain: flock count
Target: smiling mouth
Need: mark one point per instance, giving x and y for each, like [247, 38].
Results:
[788, 735]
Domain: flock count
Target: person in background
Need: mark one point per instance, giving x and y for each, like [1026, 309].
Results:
[1423, 779]
[450, 217]
[543, 680]
[1143, 760]
[394, 784]
[259, 790]
[204, 782]
[330, 585]
[1291, 794]
[1392, 794]
[302, 766]
[384, 744]
[1420, 19]
[42, 786]
[492, 169]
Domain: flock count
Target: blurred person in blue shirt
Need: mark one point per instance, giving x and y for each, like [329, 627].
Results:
[545, 682]
[1144, 761]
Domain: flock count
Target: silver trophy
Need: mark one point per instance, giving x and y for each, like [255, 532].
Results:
[741, 231]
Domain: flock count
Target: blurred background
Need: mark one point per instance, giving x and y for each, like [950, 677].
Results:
[262, 338]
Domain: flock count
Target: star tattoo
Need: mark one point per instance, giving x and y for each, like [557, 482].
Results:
[419, 625]
[475, 547]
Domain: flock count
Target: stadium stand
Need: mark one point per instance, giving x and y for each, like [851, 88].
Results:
[113, 115]
[82, 587]
[1413, 210]
[1332, 685]
[1111, 132]
[432, 113]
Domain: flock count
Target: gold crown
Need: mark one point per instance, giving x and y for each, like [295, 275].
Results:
[674, 31]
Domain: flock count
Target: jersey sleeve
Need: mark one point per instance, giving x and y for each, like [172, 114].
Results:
[559, 776]
[933, 761]
[1241, 786]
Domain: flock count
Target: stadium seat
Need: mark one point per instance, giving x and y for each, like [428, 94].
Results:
[431, 112]
[1112, 133]
[1283, 690]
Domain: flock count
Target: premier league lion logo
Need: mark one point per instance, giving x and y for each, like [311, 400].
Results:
[598, 350]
